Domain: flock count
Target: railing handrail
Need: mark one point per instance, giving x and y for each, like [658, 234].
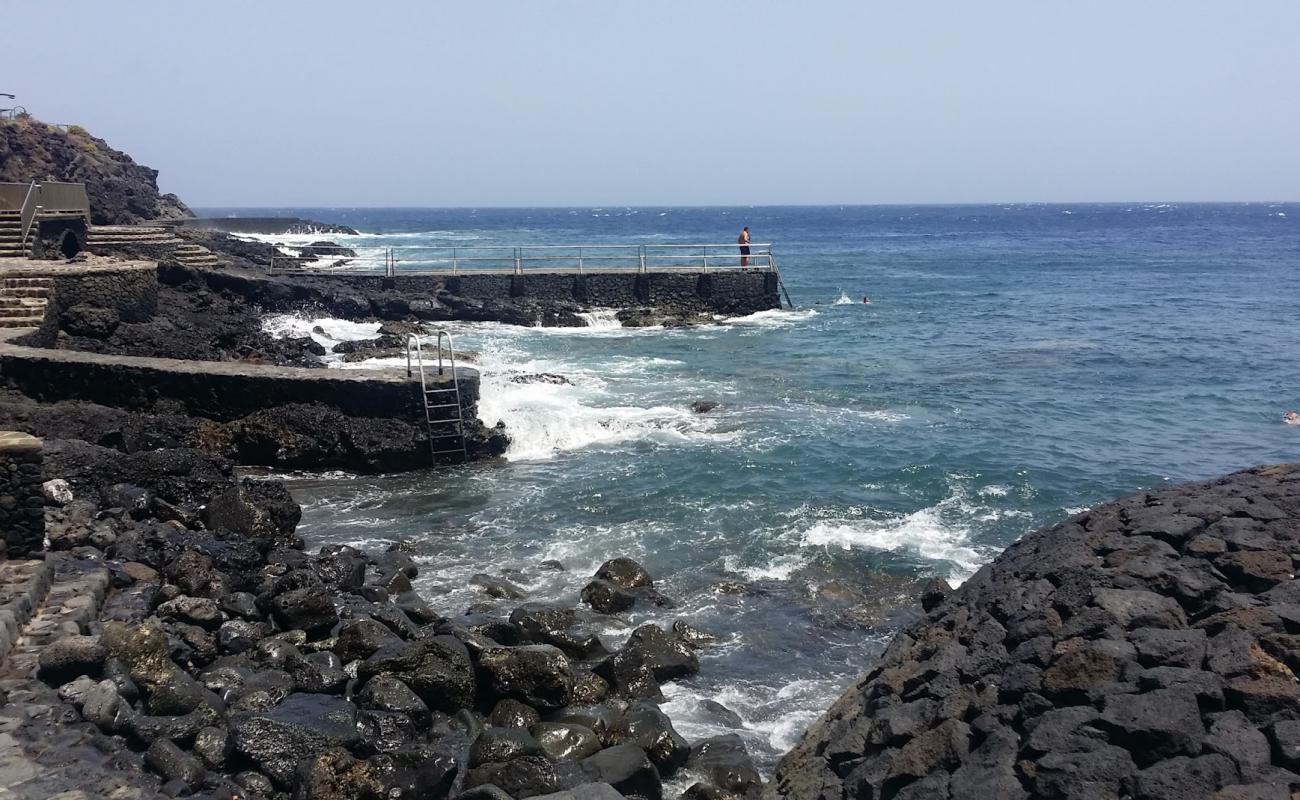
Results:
[519, 258]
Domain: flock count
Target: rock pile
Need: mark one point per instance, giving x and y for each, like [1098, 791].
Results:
[237, 663]
[1147, 648]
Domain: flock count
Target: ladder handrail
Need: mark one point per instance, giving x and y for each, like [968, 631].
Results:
[458, 423]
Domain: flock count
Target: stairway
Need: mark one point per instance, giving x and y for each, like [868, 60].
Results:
[127, 235]
[107, 237]
[440, 395]
[11, 235]
[196, 255]
[23, 301]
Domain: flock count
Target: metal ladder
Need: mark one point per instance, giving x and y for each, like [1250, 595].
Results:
[438, 398]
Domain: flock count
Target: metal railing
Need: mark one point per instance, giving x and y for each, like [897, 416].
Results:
[33, 200]
[416, 260]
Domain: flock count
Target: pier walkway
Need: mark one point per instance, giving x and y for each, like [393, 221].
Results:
[497, 259]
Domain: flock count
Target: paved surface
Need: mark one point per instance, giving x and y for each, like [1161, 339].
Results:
[46, 752]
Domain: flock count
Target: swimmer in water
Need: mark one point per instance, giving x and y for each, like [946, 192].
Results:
[1291, 418]
[866, 301]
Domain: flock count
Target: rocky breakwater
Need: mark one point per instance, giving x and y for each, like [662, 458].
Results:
[1147, 648]
[230, 662]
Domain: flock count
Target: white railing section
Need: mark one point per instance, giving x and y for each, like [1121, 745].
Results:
[578, 259]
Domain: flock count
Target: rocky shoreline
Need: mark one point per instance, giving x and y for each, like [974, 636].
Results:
[229, 662]
[1146, 648]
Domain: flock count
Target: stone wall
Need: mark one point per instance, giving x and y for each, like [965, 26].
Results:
[129, 290]
[214, 390]
[22, 503]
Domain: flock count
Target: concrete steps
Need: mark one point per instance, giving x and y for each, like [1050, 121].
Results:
[23, 301]
[109, 235]
[196, 255]
[11, 237]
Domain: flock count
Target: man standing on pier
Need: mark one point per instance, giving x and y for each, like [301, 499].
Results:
[743, 241]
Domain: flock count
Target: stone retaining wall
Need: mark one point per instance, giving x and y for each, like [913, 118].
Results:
[22, 503]
[731, 292]
[130, 290]
[215, 390]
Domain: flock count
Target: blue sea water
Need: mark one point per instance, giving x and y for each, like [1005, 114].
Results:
[1017, 363]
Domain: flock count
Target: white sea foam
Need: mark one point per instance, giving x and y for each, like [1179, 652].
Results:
[544, 419]
[843, 299]
[939, 533]
[327, 331]
[601, 318]
[772, 318]
[780, 568]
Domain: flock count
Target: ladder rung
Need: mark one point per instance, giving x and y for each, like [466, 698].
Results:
[433, 391]
[442, 405]
[448, 436]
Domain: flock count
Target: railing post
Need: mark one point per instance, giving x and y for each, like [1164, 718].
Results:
[453, 261]
[518, 260]
[641, 250]
[579, 260]
[706, 258]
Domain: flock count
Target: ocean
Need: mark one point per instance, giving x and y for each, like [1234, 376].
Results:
[1017, 363]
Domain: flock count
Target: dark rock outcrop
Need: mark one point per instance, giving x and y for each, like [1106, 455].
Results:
[121, 191]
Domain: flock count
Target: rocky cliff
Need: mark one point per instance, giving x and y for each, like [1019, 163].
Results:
[1147, 648]
[121, 191]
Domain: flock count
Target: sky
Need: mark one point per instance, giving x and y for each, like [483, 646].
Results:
[674, 102]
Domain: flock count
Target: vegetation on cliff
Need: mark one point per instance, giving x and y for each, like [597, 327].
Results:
[121, 191]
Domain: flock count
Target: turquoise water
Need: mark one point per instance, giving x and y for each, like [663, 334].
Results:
[1017, 363]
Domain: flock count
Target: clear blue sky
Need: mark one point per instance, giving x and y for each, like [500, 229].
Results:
[667, 102]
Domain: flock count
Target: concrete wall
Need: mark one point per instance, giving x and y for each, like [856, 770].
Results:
[216, 390]
[22, 502]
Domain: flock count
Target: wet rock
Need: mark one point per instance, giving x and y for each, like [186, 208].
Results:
[606, 597]
[499, 588]
[538, 675]
[667, 657]
[645, 726]
[627, 769]
[498, 745]
[725, 762]
[360, 639]
[436, 669]
[526, 776]
[300, 601]
[624, 573]
[565, 741]
[172, 763]
[386, 693]
[703, 406]
[585, 791]
[692, 635]
[275, 739]
[320, 672]
[545, 624]
[510, 713]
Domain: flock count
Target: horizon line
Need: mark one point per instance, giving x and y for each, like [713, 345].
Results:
[759, 206]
